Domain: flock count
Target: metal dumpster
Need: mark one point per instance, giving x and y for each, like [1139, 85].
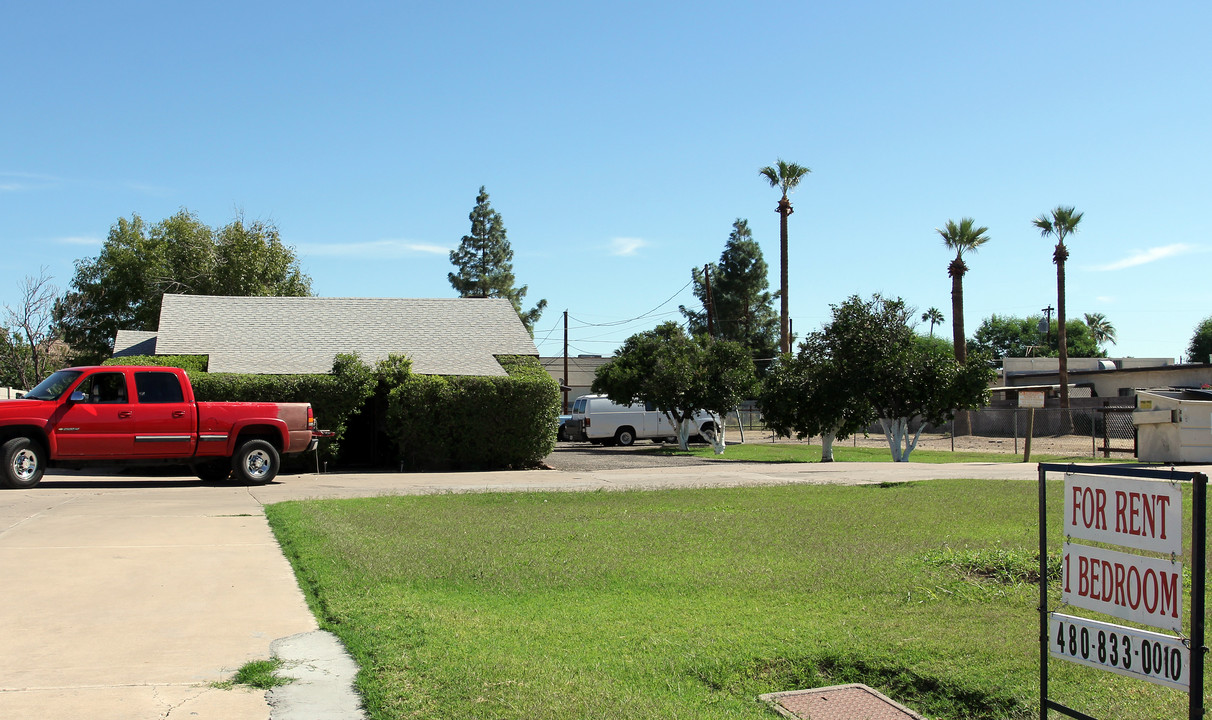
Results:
[1173, 426]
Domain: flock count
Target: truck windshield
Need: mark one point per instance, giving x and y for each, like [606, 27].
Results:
[54, 386]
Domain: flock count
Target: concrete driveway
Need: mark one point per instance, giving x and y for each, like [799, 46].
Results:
[125, 597]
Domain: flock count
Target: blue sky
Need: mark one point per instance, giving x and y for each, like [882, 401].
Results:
[620, 141]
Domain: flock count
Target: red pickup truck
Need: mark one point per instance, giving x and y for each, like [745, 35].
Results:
[111, 415]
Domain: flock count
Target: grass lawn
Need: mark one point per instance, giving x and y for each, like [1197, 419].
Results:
[796, 452]
[689, 603]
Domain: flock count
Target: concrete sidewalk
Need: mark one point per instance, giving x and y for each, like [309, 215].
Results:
[125, 597]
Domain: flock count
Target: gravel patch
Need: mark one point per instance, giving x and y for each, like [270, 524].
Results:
[584, 457]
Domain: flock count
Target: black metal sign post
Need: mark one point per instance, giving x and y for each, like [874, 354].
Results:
[1165, 659]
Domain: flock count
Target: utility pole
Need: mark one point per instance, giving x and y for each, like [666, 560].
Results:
[707, 282]
[565, 383]
[1047, 324]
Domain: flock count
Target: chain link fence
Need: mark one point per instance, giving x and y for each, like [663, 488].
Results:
[1104, 430]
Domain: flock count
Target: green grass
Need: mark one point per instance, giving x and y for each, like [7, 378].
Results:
[260, 674]
[799, 452]
[690, 603]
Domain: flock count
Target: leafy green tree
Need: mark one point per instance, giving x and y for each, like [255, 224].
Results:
[1004, 336]
[785, 176]
[1101, 328]
[680, 375]
[934, 316]
[964, 237]
[1060, 223]
[807, 394]
[1199, 350]
[898, 373]
[740, 303]
[122, 288]
[484, 261]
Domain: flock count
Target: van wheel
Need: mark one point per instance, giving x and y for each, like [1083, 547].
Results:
[625, 436]
[24, 462]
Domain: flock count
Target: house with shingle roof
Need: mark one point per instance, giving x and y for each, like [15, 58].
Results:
[302, 335]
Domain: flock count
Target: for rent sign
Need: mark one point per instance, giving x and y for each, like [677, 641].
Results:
[1141, 514]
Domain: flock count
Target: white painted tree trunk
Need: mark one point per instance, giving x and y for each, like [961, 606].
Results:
[717, 438]
[685, 428]
[827, 447]
[896, 430]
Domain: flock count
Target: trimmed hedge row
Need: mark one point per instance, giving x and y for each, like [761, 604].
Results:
[439, 422]
[188, 363]
[476, 423]
[333, 397]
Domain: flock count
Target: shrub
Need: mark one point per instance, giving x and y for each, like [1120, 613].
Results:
[476, 423]
[333, 397]
[188, 363]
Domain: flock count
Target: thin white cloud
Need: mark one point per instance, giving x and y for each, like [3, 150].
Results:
[626, 246]
[384, 249]
[1142, 257]
[78, 240]
[21, 181]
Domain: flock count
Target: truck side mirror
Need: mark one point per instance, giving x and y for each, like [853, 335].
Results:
[77, 397]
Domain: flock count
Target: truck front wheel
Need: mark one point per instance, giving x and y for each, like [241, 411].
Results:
[255, 463]
[24, 462]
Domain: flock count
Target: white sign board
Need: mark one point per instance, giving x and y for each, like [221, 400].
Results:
[1151, 656]
[1133, 587]
[1141, 514]
[1031, 398]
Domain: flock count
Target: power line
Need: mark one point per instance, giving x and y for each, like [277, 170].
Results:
[638, 317]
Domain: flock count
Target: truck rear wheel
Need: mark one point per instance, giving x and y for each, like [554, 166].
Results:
[255, 463]
[24, 462]
[625, 436]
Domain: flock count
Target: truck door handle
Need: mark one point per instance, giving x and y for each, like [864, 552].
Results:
[124, 414]
[178, 413]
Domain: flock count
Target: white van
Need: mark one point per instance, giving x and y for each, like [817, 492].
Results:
[596, 419]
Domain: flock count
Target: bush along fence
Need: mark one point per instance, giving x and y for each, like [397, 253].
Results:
[476, 423]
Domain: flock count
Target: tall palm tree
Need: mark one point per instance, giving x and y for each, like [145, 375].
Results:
[786, 176]
[1060, 223]
[933, 316]
[964, 237]
[1101, 328]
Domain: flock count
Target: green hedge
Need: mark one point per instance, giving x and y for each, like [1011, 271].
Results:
[333, 397]
[188, 363]
[476, 423]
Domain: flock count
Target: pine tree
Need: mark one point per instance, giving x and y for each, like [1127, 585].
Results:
[741, 305]
[484, 263]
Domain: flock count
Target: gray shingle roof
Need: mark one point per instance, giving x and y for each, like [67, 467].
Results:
[280, 335]
[134, 342]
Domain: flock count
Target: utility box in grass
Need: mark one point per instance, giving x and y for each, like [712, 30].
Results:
[1173, 426]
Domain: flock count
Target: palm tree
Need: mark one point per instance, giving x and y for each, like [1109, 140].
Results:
[965, 237]
[932, 316]
[1101, 328]
[1061, 223]
[786, 176]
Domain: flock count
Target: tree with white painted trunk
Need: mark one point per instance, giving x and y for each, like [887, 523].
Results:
[680, 376]
[897, 373]
[807, 394]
